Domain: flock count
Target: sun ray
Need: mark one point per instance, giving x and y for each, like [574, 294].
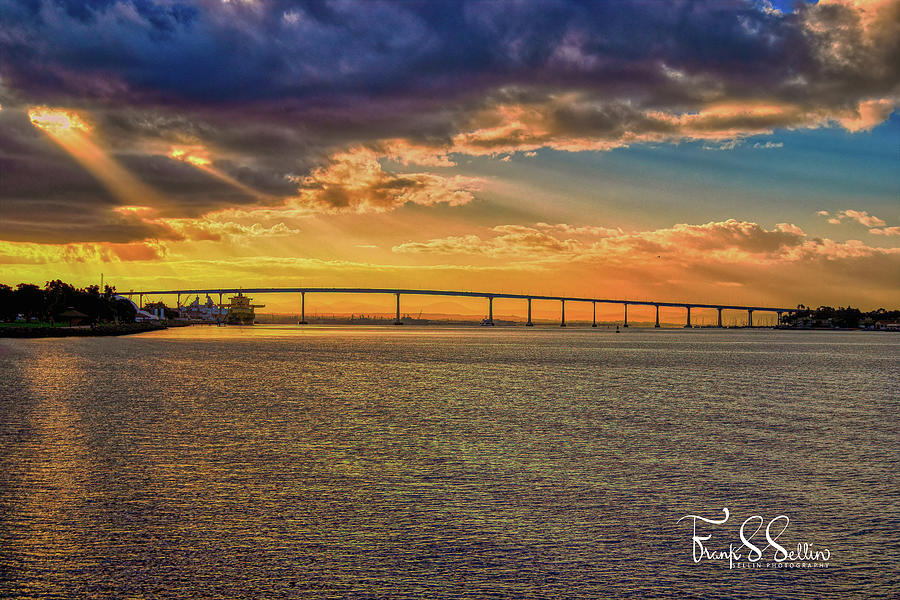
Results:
[73, 134]
[198, 156]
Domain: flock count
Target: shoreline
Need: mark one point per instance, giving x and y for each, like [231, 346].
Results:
[59, 332]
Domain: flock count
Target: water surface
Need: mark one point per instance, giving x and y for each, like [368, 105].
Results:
[374, 462]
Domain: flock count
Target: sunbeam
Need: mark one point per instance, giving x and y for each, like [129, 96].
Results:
[73, 135]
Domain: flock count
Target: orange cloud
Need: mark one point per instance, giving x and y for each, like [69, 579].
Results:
[588, 230]
[407, 153]
[867, 114]
[730, 261]
[168, 231]
[27, 253]
[685, 261]
[577, 122]
[511, 240]
[196, 155]
[203, 228]
[860, 216]
[208, 230]
[354, 181]
[727, 242]
[56, 121]
[886, 231]
[731, 238]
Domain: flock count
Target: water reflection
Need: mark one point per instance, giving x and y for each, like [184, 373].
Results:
[50, 491]
[375, 462]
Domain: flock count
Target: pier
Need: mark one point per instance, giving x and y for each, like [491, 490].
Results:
[489, 296]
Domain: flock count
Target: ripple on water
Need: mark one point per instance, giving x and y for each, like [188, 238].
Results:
[428, 463]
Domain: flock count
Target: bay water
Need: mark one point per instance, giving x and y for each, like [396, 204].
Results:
[438, 462]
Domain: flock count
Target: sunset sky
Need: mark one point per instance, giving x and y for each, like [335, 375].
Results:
[721, 151]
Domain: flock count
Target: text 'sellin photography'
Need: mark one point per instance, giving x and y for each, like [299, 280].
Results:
[449, 299]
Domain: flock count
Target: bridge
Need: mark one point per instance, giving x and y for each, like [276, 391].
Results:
[489, 296]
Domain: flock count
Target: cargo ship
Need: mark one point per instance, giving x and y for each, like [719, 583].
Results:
[240, 311]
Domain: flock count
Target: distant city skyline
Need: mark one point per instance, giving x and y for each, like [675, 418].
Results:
[718, 152]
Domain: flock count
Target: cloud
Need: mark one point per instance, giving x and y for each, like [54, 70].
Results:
[406, 153]
[467, 244]
[729, 236]
[725, 242]
[521, 241]
[581, 230]
[73, 205]
[166, 232]
[685, 261]
[864, 218]
[354, 181]
[860, 216]
[204, 228]
[726, 145]
[886, 231]
[276, 92]
[185, 49]
[26, 253]
[868, 114]
[211, 230]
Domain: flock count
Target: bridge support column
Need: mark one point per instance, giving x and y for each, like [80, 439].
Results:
[529, 323]
[626, 317]
[397, 320]
[594, 323]
[302, 308]
[688, 324]
[777, 318]
[563, 321]
[140, 301]
[749, 317]
[178, 302]
[219, 312]
[657, 316]
[720, 317]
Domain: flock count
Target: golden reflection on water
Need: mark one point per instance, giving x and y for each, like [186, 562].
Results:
[54, 486]
[447, 462]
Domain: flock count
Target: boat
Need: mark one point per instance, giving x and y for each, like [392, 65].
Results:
[240, 311]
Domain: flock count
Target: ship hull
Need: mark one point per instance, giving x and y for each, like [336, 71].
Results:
[240, 311]
[235, 320]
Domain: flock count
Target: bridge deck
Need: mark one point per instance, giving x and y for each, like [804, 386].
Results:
[406, 292]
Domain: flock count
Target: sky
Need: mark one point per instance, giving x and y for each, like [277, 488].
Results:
[722, 151]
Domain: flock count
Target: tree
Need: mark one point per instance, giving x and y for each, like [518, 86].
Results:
[7, 303]
[30, 301]
[122, 310]
[59, 297]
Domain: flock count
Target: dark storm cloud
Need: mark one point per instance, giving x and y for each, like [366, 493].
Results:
[224, 52]
[275, 88]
